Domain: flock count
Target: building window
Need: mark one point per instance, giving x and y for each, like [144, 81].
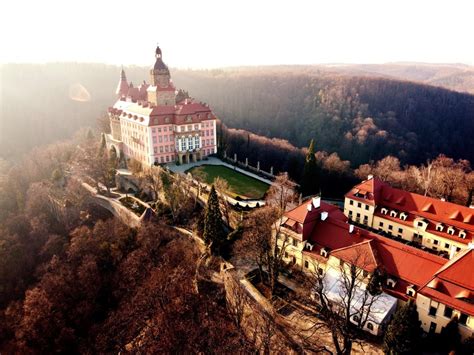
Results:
[286, 254]
[358, 215]
[365, 273]
[433, 308]
[320, 271]
[294, 242]
[341, 262]
[367, 207]
[351, 202]
[446, 245]
[293, 260]
[306, 264]
[380, 224]
[420, 224]
[400, 230]
[463, 319]
[359, 204]
[390, 227]
[448, 312]
[435, 241]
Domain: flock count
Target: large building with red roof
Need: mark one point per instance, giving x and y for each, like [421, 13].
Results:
[429, 223]
[155, 124]
[318, 237]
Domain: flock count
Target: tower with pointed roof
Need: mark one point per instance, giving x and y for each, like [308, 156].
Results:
[161, 91]
[122, 87]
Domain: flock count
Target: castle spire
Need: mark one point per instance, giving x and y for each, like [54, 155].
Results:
[122, 87]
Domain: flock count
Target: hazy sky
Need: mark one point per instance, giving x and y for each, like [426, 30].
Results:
[205, 33]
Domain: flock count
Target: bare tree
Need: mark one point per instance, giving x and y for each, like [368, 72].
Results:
[346, 313]
[152, 178]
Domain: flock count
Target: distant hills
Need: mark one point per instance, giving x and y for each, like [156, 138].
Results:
[458, 77]
[363, 112]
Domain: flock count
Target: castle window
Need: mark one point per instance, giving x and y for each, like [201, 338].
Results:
[370, 326]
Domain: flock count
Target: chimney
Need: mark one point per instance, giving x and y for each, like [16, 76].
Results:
[452, 252]
[370, 177]
[316, 202]
[351, 228]
[309, 207]
[324, 215]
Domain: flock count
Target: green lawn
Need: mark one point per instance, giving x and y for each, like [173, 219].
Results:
[239, 184]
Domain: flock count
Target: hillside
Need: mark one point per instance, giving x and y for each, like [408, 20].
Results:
[361, 117]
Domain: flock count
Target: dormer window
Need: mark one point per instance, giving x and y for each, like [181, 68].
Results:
[391, 282]
[189, 118]
[324, 252]
[451, 230]
[403, 216]
[384, 210]
[439, 227]
[393, 213]
[411, 291]
[462, 234]
[309, 246]
[167, 120]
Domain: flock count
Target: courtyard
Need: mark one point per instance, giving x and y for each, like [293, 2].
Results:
[239, 184]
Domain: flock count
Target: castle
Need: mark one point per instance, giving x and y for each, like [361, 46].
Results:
[156, 124]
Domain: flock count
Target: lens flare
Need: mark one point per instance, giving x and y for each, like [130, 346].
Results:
[78, 92]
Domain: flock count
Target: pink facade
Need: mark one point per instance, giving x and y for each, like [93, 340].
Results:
[155, 124]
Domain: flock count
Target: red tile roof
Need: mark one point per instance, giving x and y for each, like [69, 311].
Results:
[434, 210]
[453, 284]
[362, 255]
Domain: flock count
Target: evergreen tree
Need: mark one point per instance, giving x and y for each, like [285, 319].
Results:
[310, 180]
[403, 332]
[214, 233]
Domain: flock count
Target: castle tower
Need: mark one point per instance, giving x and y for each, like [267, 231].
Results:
[161, 91]
[160, 74]
[122, 87]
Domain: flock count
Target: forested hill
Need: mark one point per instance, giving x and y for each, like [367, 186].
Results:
[360, 117]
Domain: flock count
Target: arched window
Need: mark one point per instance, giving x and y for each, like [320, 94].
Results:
[167, 120]
[370, 326]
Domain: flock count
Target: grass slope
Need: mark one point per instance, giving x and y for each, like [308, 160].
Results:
[239, 184]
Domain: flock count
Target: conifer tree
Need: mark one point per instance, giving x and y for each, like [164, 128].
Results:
[310, 180]
[214, 233]
[403, 332]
